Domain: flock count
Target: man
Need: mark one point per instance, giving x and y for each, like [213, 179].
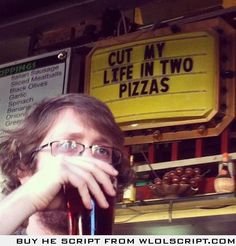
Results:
[71, 140]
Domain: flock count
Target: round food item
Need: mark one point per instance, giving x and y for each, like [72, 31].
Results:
[166, 180]
[179, 171]
[183, 182]
[176, 179]
[198, 177]
[185, 178]
[157, 181]
[196, 170]
[193, 182]
[189, 171]
[167, 174]
[172, 173]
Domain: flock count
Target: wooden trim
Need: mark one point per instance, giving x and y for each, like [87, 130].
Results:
[174, 151]
[214, 159]
[198, 147]
[225, 141]
[155, 210]
[151, 153]
[229, 3]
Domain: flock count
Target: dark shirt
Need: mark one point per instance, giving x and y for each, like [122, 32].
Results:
[20, 231]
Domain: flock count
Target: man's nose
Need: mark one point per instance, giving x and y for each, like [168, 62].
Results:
[87, 152]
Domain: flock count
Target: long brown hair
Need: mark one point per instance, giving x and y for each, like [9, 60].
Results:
[17, 148]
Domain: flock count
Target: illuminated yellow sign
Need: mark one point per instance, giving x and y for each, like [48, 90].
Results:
[160, 80]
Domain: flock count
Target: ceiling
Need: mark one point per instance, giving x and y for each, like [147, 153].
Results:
[20, 18]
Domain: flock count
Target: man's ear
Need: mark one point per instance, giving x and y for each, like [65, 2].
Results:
[23, 175]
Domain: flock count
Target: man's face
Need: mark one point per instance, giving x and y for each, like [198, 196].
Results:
[70, 126]
[67, 126]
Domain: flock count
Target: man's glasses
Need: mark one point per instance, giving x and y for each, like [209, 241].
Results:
[73, 148]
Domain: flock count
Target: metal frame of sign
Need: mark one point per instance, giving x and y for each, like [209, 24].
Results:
[149, 130]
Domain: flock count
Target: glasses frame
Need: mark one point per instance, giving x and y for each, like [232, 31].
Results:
[118, 151]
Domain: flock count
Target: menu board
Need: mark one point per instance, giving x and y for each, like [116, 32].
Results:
[26, 82]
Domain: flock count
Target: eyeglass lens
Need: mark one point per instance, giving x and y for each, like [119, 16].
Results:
[72, 148]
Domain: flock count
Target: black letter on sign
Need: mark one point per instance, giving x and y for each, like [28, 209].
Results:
[123, 88]
[164, 64]
[165, 86]
[135, 88]
[153, 87]
[149, 52]
[160, 47]
[110, 62]
[128, 51]
[188, 64]
[147, 69]
[105, 80]
[175, 65]
[144, 89]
